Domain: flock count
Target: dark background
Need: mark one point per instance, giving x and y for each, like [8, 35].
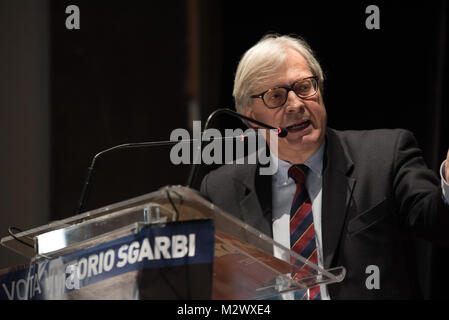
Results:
[132, 70]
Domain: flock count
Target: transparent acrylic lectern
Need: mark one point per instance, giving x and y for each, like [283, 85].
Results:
[245, 261]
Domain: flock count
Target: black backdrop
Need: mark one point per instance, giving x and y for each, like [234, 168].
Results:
[122, 77]
[118, 79]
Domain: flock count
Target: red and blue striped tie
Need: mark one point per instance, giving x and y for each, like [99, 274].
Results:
[302, 230]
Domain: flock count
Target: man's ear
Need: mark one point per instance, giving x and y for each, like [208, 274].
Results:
[248, 112]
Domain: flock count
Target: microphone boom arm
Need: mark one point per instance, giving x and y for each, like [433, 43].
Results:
[281, 132]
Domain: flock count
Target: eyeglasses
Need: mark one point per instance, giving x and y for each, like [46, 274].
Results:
[276, 97]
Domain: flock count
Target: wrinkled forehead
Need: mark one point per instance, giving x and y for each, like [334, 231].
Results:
[293, 68]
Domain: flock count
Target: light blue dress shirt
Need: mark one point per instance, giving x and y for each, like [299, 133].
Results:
[283, 189]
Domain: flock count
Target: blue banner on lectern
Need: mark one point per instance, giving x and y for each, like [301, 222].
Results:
[159, 250]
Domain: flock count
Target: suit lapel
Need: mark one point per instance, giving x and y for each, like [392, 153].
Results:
[337, 192]
[256, 199]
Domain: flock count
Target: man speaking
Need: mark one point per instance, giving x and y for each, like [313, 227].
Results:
[339, 198]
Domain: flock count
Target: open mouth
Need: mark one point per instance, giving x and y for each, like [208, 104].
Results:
[299, 126]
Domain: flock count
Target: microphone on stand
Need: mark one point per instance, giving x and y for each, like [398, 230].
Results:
[90, 170]
[280, 131]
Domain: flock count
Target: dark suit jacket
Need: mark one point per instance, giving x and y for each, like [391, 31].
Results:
[377, 195]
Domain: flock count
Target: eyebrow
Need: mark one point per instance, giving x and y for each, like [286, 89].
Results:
[282, 86]
[291, 83]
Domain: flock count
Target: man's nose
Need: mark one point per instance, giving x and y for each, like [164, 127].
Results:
[293, 103]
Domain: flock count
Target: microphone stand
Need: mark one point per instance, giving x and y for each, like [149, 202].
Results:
[282, 132]
[90, 170]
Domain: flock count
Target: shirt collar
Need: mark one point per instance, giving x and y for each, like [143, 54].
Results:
[315, 163]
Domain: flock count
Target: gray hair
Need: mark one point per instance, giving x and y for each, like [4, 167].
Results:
[264, 59]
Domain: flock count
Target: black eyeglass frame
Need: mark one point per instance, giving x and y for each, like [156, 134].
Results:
[314, 83]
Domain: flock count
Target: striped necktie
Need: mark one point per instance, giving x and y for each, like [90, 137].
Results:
[302, 230]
